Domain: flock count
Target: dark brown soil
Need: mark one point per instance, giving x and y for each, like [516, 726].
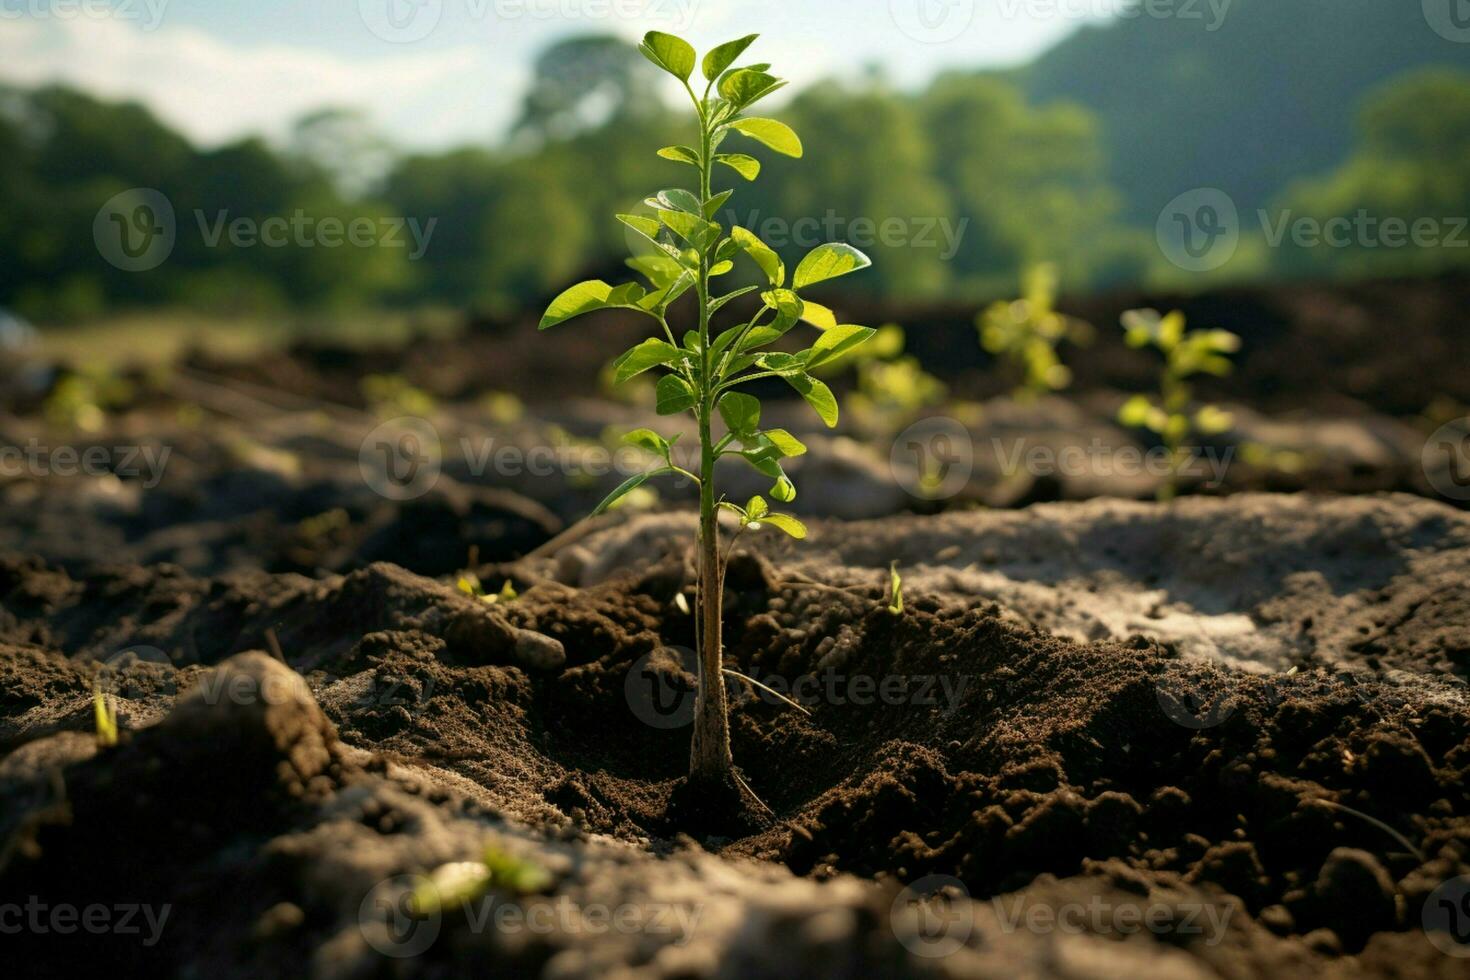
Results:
[1001, 757]
[1251, 707]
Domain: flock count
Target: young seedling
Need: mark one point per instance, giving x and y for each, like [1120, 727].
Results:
[105, 718]
[687, 250]
[895, 594]
[1185, 355]
[460, 883]
[1025, 334]
[469, 584]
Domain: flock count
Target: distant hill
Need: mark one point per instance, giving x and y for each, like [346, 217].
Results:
[1269, 96]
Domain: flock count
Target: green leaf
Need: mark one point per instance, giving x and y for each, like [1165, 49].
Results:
[1212, 420]
[818, 315]
[781, 364]
[761, 336]
[757, 508]
[691, 227]
[727, 249]
[828, 262]
[766, 462]
[715, 304]
[721, 269]
[722, 57]
[675, 199]
[741, 412]
[657, 302]
[787, 523]
[817, 395]
[895, 581]
[673, 395]
[725, 339]
[651, 441]
[672, 54]
[712, 207]
[746, 166]
[784, 301]
[747, 86]
[763, 254]
[680, 154]
[785, 443]
[649, 228]
[735, 509]
[649, 354]
[777, 135]
[659, 270]
[1217, 365]
[833, 343]
[1135, 411]
[588, 297]
[628, 486]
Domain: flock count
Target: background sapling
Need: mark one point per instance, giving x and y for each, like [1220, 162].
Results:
[1169, 413]
[687, 249]
[1025, 334]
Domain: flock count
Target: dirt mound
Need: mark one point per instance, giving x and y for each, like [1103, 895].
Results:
[956, 739]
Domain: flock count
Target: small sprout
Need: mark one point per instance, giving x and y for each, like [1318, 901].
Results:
[105, 717]
[515, 875]
[681, 602]
[448, 885]
[895, 602]
[1025, 334]
[469, 584]
[392, 395]
[462, 882]
[756, 514]
[1168, 414]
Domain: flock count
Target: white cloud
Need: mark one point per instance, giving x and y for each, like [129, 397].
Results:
[215, 92]
[463, 81]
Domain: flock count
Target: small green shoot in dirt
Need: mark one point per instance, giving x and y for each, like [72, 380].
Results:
[1168, 414]
[895, 595]
[105, 717]
[1025, 334]
[683, 249]
[462, 882]
[469, 584]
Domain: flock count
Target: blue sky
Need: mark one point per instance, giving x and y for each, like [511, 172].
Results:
[440, 72]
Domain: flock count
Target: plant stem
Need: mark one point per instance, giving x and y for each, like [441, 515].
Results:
[709, 751]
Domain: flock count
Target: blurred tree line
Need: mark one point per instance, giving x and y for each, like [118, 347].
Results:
[957, 188]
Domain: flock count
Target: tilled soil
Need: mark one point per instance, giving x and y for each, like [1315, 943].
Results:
[1245, 718]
